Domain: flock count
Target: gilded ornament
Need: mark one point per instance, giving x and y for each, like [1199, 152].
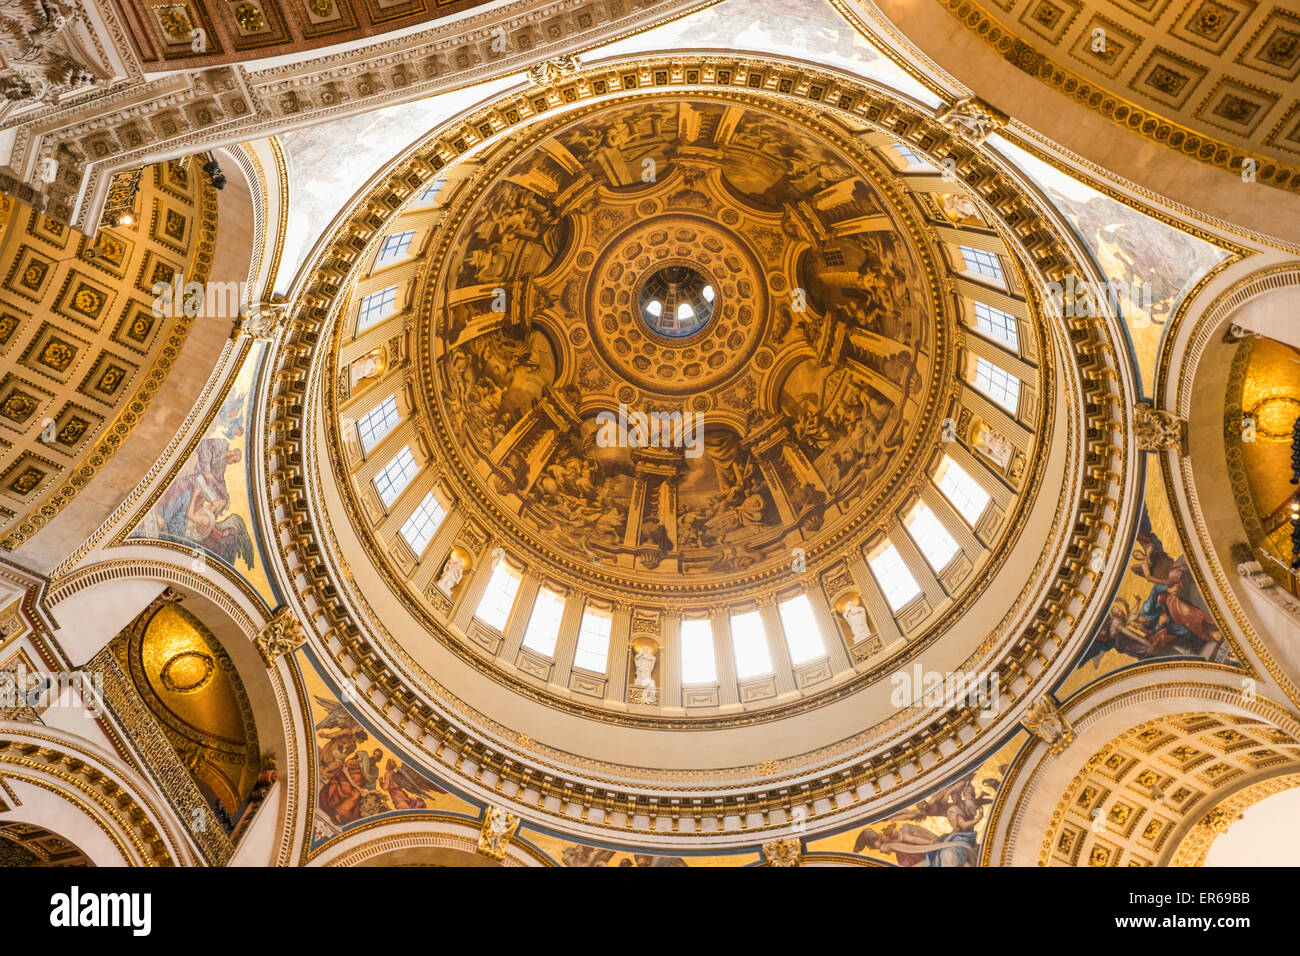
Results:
[1158, 430]
[498, 830]
[784, 852]
[249, 17]
[1044, 720]
[281, 635]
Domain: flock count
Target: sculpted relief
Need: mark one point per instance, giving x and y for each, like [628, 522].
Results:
[797, 345]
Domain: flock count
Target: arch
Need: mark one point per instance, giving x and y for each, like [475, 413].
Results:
[1099, 716]
[65, 784]
[111, 594]
[1194, 847]
[406, 841]
[176, 398]
[1192, 382]
[952, 60]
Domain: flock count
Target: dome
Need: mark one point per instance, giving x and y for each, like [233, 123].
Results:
[717, 413]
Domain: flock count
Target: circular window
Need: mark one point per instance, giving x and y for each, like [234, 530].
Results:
[677, 301]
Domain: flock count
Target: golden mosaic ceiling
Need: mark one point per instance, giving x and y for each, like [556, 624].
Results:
[84, 347]
[1214, 79]
[804, 398]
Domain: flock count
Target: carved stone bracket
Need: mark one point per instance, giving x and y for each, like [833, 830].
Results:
[552, 71]
[972, 119]
[783, 853]
[281, 635]
[1044, 720]
[1158, 430]
[264, 320]
[1253, 573]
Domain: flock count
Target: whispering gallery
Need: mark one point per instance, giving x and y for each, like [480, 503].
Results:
[650, 433]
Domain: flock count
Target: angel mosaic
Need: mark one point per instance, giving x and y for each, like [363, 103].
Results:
[195, 509]
[1172, 618]
[358, 779]
[959, 808]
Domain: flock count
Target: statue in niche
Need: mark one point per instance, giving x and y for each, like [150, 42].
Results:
[452, 572]
[993, 445]
[644, 662]
[367, 369]
[856, 615]
[960, 208]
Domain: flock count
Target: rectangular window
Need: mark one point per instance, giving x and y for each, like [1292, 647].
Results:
[698, 665]
[377, 423]
[419, 528]
[894, 579]
[592, 653]
[910, 156]
[936, 544]
[544, 623]
[499, 597]
[749, 643]
[999, 385]
[376, 307]
[397, 474]
[802, 635]
[983, 264]
[997, 325]
[962, 490]
[432, 190]
[394, 247]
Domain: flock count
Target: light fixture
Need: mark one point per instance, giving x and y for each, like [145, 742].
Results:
[126, 219]
[213, 169]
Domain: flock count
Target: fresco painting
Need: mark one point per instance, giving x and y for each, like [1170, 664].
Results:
[567, 853]
[358, 775]
[944, 829]
[1150, 265]
[1157, 612]
[207, 507]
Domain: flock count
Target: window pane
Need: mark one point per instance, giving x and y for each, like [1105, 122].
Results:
[962, 490]
[377, 423]
[698, 666]
[394, 246]
[893, 577]
[499, 598]
[982, 264]
[910, 156]
[802, 635]
[997, 384]
[376, 307]
[936, 544]
[397, 474]
[997, 325]
[432, 190]
[749, 642]
[593, 640]
[544, 624]
[419, 528]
